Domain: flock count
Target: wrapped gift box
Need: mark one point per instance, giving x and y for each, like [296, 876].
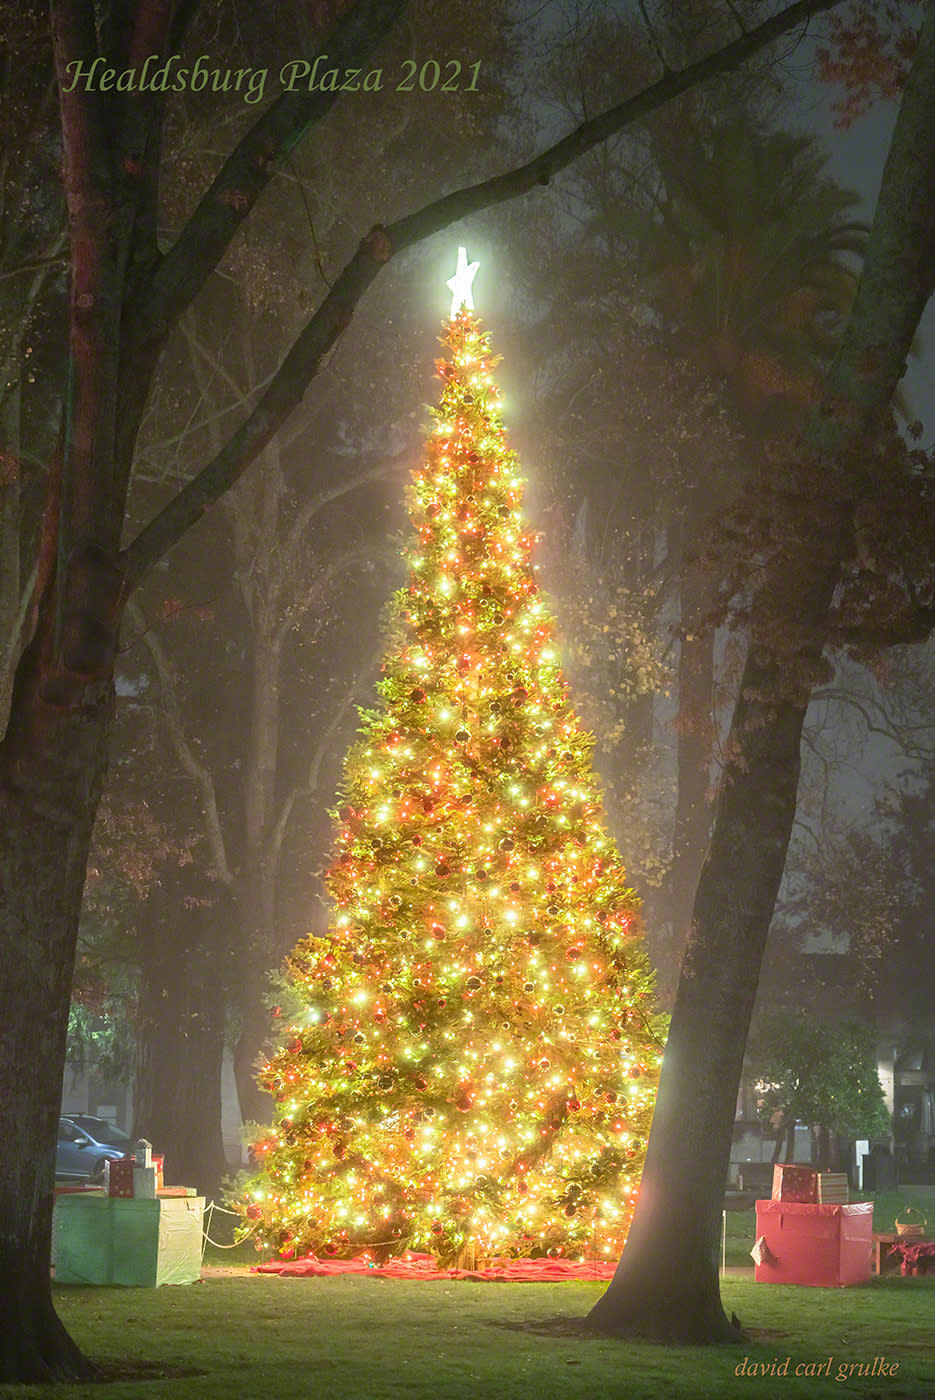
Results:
[118, 1177]
[144, 1183]
[105, 1240]
[832, 1189]
[827, 1246]
[794, 1183]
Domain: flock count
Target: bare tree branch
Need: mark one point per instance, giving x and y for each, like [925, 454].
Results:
[653, 38]
[310, 786]
[249, 169]
[40, 265]
[314, 589]
[192, 765]
[386, 469]
[332, 318]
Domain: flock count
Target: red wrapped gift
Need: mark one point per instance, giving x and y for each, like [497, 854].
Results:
[823, 1246]
[792, 1183]
[118, 1177]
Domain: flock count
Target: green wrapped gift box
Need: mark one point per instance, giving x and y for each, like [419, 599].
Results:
[109, 1239]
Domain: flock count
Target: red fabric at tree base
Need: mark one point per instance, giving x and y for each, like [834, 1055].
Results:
[424, 1266]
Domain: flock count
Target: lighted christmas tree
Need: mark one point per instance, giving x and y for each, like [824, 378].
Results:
[476, 1055]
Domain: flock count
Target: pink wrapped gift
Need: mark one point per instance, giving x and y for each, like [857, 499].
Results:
[826, 1246]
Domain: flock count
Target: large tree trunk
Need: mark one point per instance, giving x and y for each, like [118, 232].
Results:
[260, 942]
[255, 1105]
[177, 1098]
[52, 766]
[666, 1284]
[667, 1281]
[693, 767]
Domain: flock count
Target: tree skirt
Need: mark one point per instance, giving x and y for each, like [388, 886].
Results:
[424, 1266]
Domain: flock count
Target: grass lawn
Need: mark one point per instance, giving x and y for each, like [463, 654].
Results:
[260, 1337]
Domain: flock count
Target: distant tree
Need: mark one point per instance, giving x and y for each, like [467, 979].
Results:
[718, 266]
[820, 1074]
[749, 256]
[872, 43]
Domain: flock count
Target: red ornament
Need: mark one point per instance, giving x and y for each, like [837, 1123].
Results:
[253, 1212]
[574, 1105]
[417, 696]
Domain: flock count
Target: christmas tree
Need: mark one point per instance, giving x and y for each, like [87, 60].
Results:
[474, 1053]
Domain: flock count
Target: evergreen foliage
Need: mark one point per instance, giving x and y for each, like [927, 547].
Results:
[476, 1054]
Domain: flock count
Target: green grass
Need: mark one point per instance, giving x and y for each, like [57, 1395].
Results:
[350, 1338]
[262, 1337]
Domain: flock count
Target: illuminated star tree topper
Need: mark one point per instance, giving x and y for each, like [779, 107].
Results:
[461, 285]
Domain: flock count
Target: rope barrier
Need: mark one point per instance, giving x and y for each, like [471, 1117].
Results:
[206, 1239]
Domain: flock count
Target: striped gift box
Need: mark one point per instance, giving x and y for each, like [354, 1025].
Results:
[832, 1189]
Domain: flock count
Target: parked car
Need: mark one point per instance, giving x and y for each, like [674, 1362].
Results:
[84, 1144]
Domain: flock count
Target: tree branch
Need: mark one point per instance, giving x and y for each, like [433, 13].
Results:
[305, 596]
[87, 454]
[249, 169]
[914, 626]
[184, 752]
[317, 503]
[310, 786]
[40, 265]
[332, 318]
[653, 38]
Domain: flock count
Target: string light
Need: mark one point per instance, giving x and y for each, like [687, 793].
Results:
[477, 1054]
